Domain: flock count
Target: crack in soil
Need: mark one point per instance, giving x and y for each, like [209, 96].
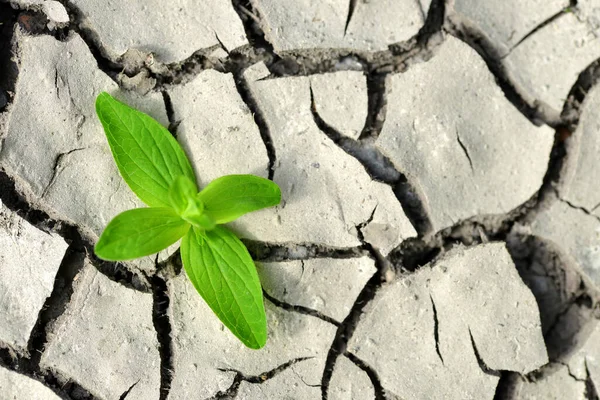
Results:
[371, 373]
[163, 327]
[251, 21]
[381, 169]
[351, 9]
[259, 119]
[578, 208]
[482, 365]
[15, 201]
[591, 391]
[539, 27]
[181, 72]
[8, 66]
[126, 393]
[409, 256]
[64, 387]
[417, 252]
[539, 112]
[552, 182]
[54, 306]
[571, 374]
[57, 162]
[586, 79]
[586, 304]
[173, 123]
[221, 44]
[436, 330]
[384, 273]
[232, 391]
[300, 62]
[508, 386]
[377, 106]
[464, 149]
[80, 25]
[275, 252]
[300, 309]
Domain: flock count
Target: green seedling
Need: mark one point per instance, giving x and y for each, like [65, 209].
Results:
[157, 170]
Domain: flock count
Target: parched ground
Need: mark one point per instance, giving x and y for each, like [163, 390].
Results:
[439, 234]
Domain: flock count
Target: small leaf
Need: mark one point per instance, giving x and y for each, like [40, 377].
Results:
[140, 232]
[231, 196]
[195, 215]
[222, 271]
[184, 199]
[147, 156]
[182, 190]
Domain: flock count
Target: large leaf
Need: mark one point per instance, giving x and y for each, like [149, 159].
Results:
[140, 232]
[147, 156]
[231, 196]
[223, 272]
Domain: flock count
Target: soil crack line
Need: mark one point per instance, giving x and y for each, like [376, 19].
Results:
[536, 112]
[55, 305]
[163, 327]
[508, 386]
[126, 393]
[482, 365]
[80, 25]
[302, 62]
[348, 326]
[351, 9]
[275, 252]
[173, 123]
[539, 27]
[300, 309]
[252, 25]
[377, 106]
[572, 108]
[240, 377]
[259, 119]
[464, 149]
[570, 373]
[436, 330]
[15, 201]
[57, 162]
[62, 386]
[579, 208]
[371, 373]
[381, 169]
[278, 252]
[591, 391]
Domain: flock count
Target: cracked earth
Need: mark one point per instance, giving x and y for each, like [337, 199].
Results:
[439, 234]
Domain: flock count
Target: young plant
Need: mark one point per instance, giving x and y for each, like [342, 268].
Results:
[157, 170]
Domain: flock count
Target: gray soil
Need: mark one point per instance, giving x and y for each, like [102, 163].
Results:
[439, 233]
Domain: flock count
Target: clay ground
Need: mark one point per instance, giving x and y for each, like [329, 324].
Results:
[439, 234]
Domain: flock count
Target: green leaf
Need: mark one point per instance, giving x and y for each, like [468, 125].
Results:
[222, 271]
[140, 232]
[231, 196]
[147, 156]
[184, 199]
[196, 216]
[182, 190]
